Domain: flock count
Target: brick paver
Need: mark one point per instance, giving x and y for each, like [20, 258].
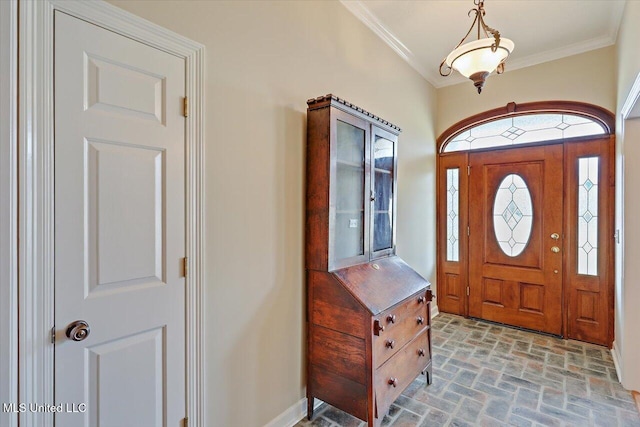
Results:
[490, 375]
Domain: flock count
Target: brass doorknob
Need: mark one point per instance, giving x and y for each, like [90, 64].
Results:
[555, 236]
[78, 330]
[555, 249]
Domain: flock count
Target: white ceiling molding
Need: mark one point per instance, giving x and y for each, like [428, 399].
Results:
[427, 65]
[560, 52]
[617, 11]
[360, 11]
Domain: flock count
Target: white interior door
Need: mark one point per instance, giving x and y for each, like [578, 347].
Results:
[119, 229]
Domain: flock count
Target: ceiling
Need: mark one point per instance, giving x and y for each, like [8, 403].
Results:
[423, 32]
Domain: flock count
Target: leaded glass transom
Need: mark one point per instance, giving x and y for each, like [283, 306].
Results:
[524, 129]
[453, 195]
[588, 216]
[513, 215]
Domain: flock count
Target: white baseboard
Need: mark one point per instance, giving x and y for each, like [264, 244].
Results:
[434, 311]
[615, 354]
[293, 415]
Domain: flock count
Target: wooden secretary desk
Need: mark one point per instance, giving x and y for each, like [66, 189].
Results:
[368, 312]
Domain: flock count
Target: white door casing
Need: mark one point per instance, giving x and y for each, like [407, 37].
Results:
[119, 229]
[36, 208]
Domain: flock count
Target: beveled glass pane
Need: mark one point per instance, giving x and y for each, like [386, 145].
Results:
[496, 127]
[588, 215]
[524, 129]
[513, 215]
[453, 195]
[583, 129]
[349, 221]
[537, 121]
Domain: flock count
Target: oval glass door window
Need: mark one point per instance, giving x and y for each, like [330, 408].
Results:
[513, 215]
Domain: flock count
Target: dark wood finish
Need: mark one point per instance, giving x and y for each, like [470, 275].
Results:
[452, 275]
[525, 290]
[368, 314]
[375, 284]
[589, 298]
[601, 115]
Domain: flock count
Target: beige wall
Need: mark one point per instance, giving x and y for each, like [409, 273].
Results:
[264, 60]
[627, 340]
[587, 77]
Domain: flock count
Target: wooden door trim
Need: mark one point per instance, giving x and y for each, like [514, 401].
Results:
[35, 192]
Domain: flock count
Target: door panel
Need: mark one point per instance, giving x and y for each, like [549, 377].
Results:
[119, 228]
[525, 289]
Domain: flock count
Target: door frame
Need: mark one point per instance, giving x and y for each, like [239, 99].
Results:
[459, 298]
[36, 199]
[8, 208]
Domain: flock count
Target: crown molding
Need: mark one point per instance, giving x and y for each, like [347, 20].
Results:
[360, 11]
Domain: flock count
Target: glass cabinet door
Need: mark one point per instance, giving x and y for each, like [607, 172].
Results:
[383, 192]
[350, 168]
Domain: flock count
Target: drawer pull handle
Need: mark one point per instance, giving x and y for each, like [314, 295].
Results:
[420, 320]
[421, 299]
[390, 343]
[377, 327]
[391, 318]
[393, 381]
[421, 352]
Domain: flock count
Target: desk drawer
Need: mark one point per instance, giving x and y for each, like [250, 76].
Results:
[399, 371]
[402, 323]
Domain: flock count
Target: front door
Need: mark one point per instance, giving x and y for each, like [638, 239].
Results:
[119, 230]
[515, 237]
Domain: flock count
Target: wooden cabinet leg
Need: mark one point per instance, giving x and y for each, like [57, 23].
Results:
[429, 374]
[310, 402]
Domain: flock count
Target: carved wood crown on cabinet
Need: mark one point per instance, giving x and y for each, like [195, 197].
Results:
[368, 312]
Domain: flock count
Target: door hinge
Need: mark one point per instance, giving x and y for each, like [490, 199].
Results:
[468, 170]
[468, 231]
[184, 267]
[185, 106]
[467, 291]
[53, 334]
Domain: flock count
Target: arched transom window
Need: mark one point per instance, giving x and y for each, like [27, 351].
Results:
[529, 124]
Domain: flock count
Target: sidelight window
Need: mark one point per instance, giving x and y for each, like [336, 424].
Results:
[588, 216]
[453, 214]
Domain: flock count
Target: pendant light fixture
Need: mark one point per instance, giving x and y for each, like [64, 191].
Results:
[478, 58]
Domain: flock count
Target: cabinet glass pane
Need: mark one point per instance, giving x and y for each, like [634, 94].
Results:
[383, 190]
[588, 216]
[349, 223]
[453, 214]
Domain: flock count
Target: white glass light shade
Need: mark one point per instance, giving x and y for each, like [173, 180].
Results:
[476, 56]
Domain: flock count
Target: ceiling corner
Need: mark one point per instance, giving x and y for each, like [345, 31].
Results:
[360, 11]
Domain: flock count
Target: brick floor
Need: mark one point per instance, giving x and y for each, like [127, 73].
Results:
[490, 375]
